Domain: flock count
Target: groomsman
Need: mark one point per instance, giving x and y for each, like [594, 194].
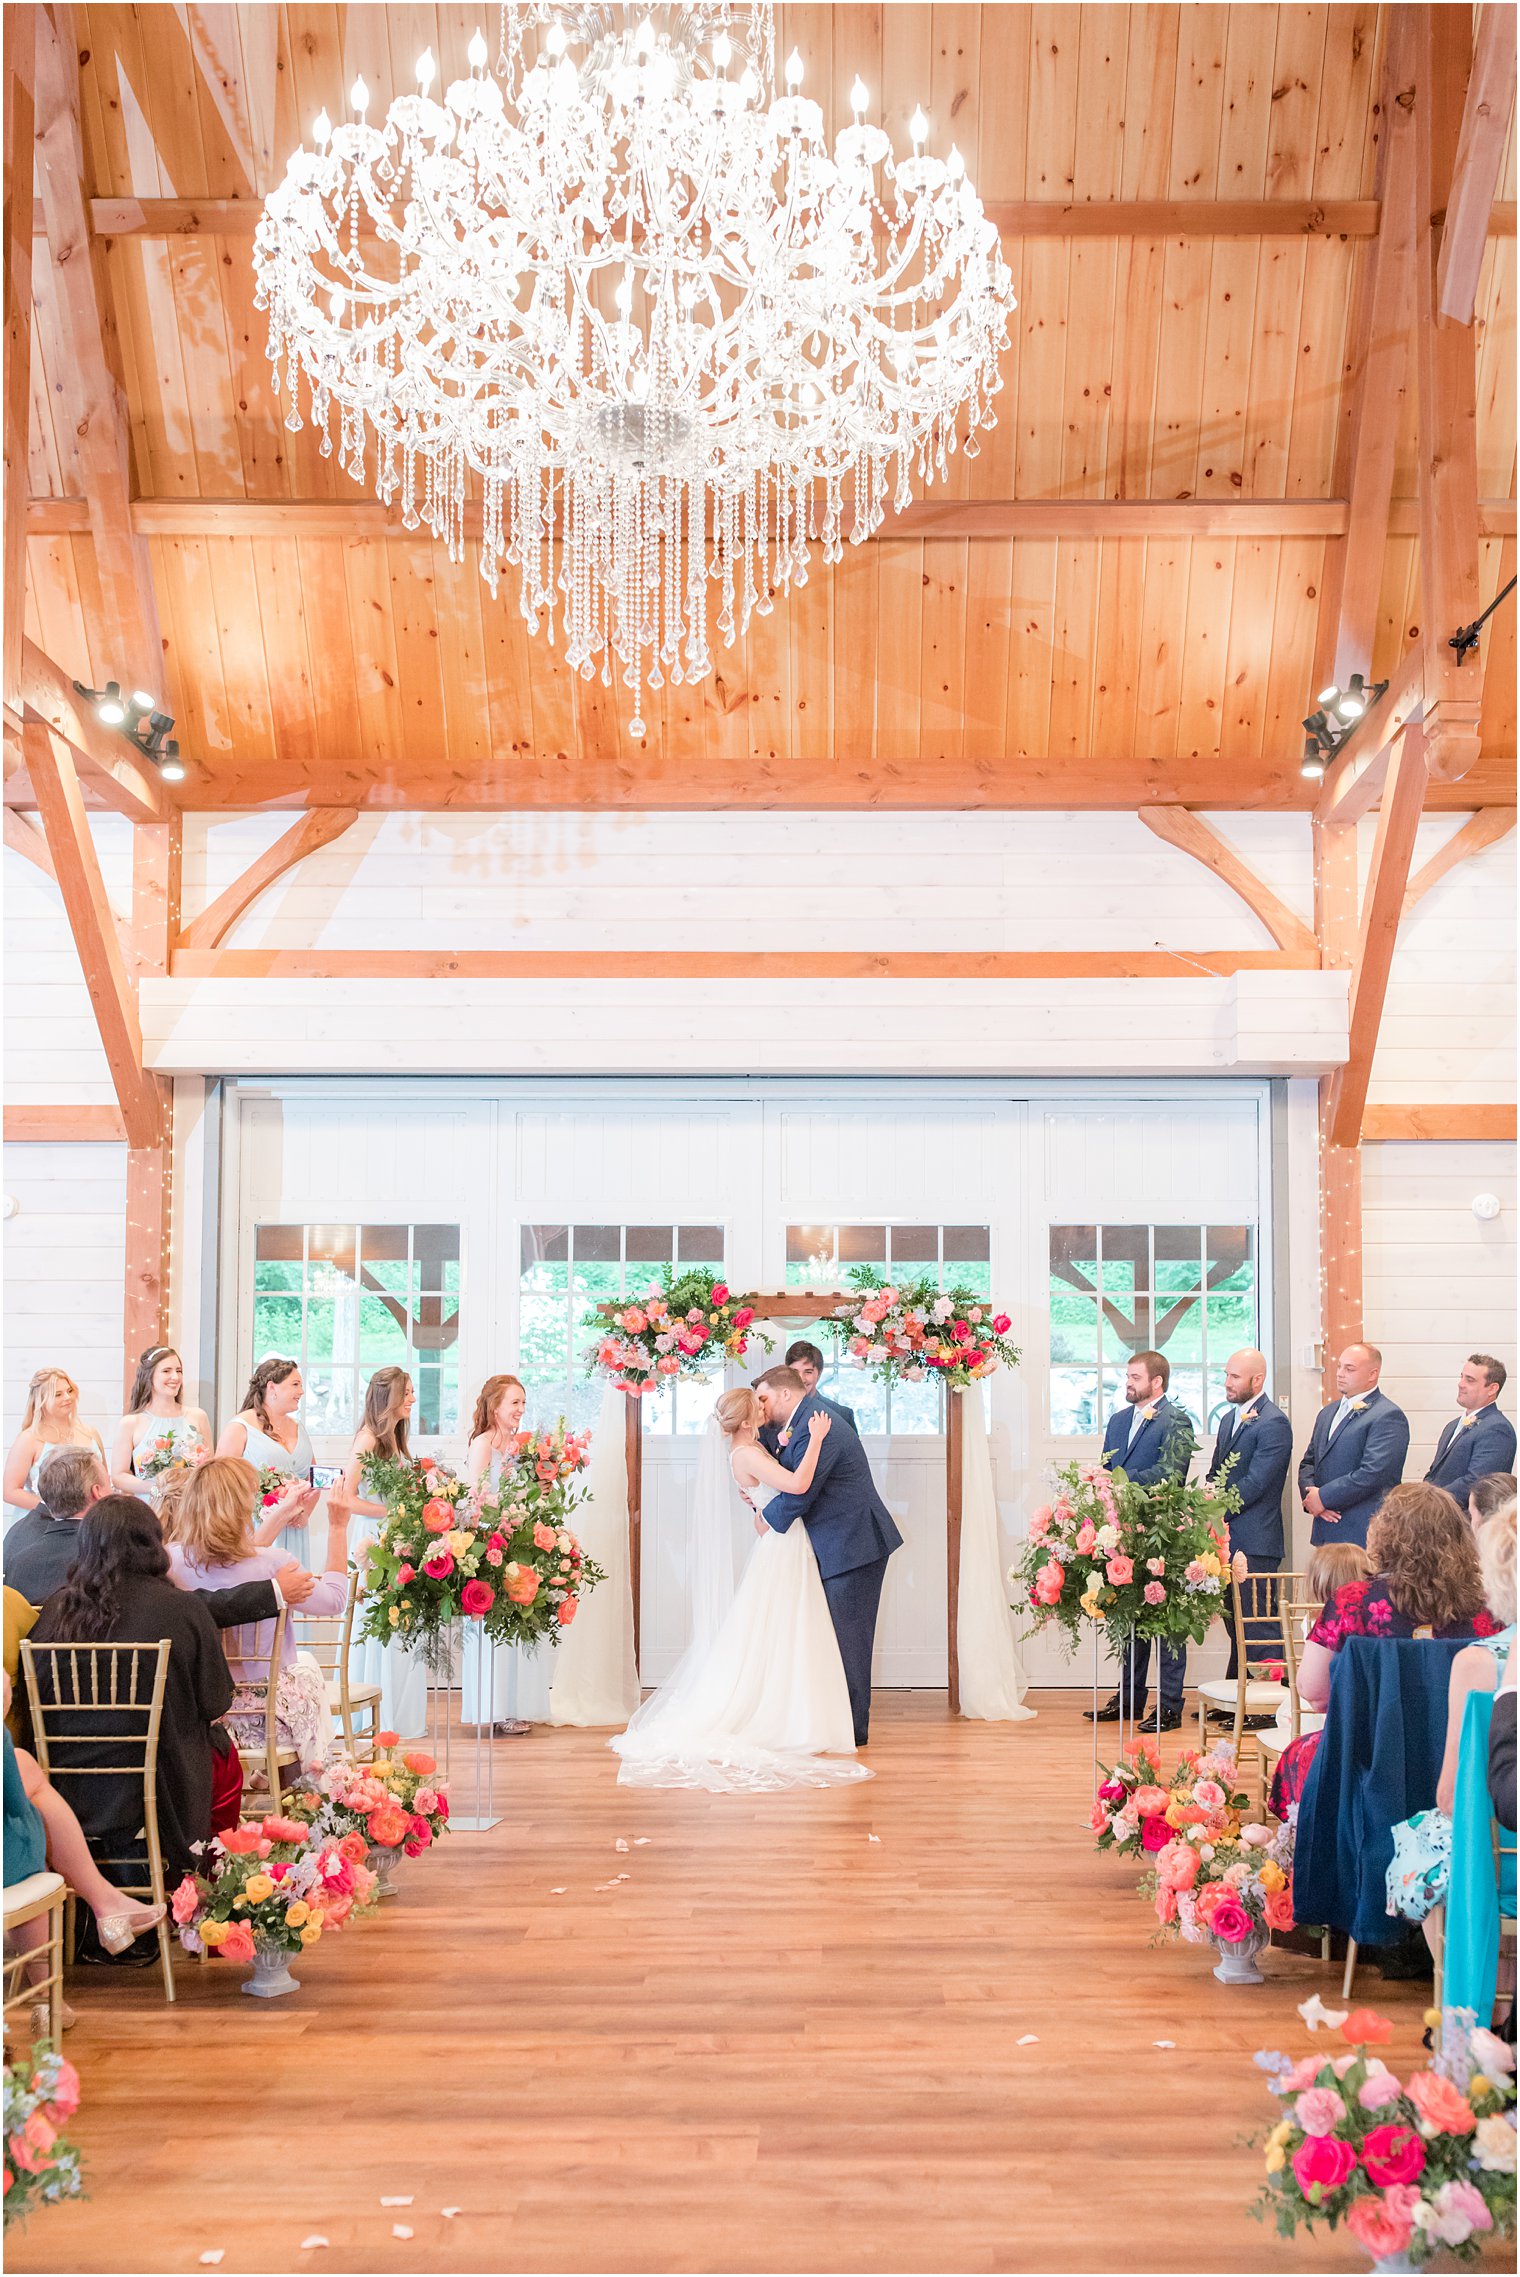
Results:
[1256, 1433]
[1355, 1453]
[1149, 1439]
[1479, 1440]
[808, 1362]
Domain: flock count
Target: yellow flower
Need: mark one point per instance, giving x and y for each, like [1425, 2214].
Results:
[1280, 2135]
[1431, 2018]
[1272, 1876]
[310, 1933]
[257, 1888]
[1277, 2159]
[212, 1932]
[296, 1914]
[1479, 2089]
[395, 1616]
[459, 1542]
[1174, 1814]
[240, 1899]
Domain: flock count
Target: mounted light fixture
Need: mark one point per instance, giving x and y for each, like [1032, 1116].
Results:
[138, 718]
[1312, 765]
[1465, 639]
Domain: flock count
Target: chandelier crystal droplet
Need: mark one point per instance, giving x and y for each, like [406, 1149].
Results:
[625, 293]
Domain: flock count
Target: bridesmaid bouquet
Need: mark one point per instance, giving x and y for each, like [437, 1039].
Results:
[161, 1456]
[505, 1558]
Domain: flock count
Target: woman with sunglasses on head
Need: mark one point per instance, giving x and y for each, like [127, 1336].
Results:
[158, 1431]
[268, 1432]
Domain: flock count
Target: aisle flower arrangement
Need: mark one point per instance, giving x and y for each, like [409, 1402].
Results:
[676, 1328]
[393, 1803]
[1410, 2167]
[910, 1331]
[1129, 1803]
[506, 1558]
[41, 2167]
[1149, 1561]
[268, 1885]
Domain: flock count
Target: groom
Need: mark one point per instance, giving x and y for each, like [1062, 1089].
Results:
[849, 1525]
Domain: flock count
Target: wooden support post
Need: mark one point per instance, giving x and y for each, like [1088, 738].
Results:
[955, 1473]
[1398, 821]
[1340, 1167]
[20, 54]
[633, 1442]
[150, 1169]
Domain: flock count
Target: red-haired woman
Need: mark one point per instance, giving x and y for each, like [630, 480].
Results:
[505, 1686]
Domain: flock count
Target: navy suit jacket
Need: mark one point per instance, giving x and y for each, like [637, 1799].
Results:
[1486, 1445]
[769, 1436]
[1356, 1468]
[1163, 1447]
[848, 1523]
[1262, 1447]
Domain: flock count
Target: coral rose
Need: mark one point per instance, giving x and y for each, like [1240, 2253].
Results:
[1121, 1571]
[1392, 2153]
[567, 1613]
[1277, 1911]
[1322, 2163]
[522, 1586]
[388, 1826]
[1049, 1582]
[1097, 1821]
[354, 1848]
[1378, 2227]
[237, 1945]
[1364, 2028]
[417, 1759]
[437, 1517]
[1443, 2108]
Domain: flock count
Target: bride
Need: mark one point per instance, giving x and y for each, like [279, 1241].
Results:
[759, 1700]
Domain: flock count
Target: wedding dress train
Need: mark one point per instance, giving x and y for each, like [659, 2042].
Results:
[759, 1700]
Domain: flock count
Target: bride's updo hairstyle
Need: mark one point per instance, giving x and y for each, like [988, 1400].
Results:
[737, 1410]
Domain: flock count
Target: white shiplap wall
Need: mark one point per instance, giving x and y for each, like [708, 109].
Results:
[1448, 1029]
[64, 1252]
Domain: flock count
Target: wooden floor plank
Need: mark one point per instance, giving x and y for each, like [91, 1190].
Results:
[778, 2046]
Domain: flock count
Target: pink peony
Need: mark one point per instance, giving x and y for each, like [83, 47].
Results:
[1322, 2163]
[1209, 1795]
[1155, 1593]
[1049, 1582]
[1319, 2111]
[1178, 1866]
[1380, 2228]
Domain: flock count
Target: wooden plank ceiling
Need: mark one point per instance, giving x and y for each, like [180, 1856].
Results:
[1074, 666]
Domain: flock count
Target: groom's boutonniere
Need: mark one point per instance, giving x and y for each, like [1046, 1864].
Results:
[784, 1438]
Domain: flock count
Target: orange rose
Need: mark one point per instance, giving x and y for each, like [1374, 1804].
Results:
[422, 1764]
[1440, 2104]
[1277, 1911]
[524, 1587]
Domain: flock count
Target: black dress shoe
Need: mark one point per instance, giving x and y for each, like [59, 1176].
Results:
[1170, 1719]
[1112, 1712]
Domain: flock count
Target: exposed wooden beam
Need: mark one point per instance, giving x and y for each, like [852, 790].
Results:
[1496, 518]
[124, 780]
[1192, 835]
[725, 964]
[1383, 308]
[1447, 420]
[1398, 822]
[1340, 1185]
[157, 852]
[1448, 1120]
[317, 828]
[87, 369]
[20, 60]
[64, 1126]
[25, 839]
[1480, 154]
[1485, 828]
[56, 782]
[1354, 779]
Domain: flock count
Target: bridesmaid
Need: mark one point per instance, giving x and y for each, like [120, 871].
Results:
[269, 1433]
[401, 1675]
[517, 1693]
[51, 1420]
[156, 1410]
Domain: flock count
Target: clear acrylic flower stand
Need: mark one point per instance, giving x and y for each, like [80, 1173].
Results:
[478, 1814]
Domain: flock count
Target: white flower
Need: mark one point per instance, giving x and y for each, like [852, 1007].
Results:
[914, 1375]
[942, 1309]
[1491, 2054]
[862, 1325]
[1494, 2142]
[1108, 1537]
[877, 1352]
[1315, 2013]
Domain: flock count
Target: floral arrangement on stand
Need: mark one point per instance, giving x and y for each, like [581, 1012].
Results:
[909, 1331]
[41, 2168]
[506, 1559]
[380, 1811]
[672, 1330]
[1129, 1800]
[1408, 2167]
[1217, 1878]
[1147, 1561]
[268, 1888]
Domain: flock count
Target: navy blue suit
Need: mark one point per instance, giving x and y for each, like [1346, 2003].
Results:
[1162, 1449]
[1260, 1438]
[1474, 1450]
[1356, 1468]
[769, 1437]
[852, 1534]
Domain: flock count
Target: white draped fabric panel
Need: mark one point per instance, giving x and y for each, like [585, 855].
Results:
[595, 1679]
[993, 1682]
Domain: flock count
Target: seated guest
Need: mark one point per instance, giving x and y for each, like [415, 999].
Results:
[215, 1544]
[119, 1592]
[41, 1831]
[1486, 1497]
[1426, 1583]
[51, 1420]
[19, 1619]
[1478, 1439]
[40, 1548]
[1501, 1750]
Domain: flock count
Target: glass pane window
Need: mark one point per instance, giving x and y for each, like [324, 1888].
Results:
[345, 1300]
[1188, 1291]
[953, 1256]
[567, 1271]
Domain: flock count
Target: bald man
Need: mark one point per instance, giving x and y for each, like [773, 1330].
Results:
[1255, 1440]
[1356, 1451]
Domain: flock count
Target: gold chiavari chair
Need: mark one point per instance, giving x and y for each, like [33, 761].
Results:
[1298, 1614]
[270, 1757]
[354, 1707]
[29, 1900]
[1256, 1614]
[70, 1688]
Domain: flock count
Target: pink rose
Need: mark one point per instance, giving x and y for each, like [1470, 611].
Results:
[1380, 2089]
[1379, 2227]
[1391, 2153]
[1112, 1791]
[720, 1293]
[1155, 1565]
[1322, 2163]
[1001, 1324]
[1303, 2074]
[1155, 1834]
[1319, 2111]
[1230, 1923]
[1121, 1571]
[1155, 1593]
[440, 1567]
[404, 1574]
[185, 1902]
[476, 1598]
[1087, 1538]
[544, 1537]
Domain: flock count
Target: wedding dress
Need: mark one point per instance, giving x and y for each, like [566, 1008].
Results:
[758, 1701]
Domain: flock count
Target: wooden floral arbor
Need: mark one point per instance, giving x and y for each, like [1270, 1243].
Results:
[801, 1305]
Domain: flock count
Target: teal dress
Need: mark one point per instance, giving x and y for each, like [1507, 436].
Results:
[25, 1836]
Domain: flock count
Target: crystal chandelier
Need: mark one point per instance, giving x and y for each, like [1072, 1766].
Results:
[626, 291]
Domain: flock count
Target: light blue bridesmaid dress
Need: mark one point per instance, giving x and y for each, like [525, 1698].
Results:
[503, 1683]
